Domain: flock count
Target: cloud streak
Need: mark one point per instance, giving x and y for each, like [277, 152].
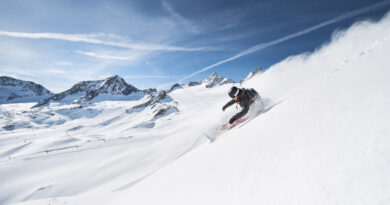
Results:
[261, 46]
[100, 39]
[108, 56]
[150, 76]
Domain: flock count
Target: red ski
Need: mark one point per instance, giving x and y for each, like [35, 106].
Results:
[228, 126]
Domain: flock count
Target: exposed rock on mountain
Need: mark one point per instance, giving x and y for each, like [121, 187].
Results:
[174, 87]
[86, 91]
[14, 90]
[163, 110]
[215, 80]
[150, 90]
[153, 98]
[156, 106]
[253, 73]
[193, 83]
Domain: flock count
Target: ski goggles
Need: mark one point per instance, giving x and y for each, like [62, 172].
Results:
[235, 94]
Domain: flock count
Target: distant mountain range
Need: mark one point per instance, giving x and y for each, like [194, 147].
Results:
[14, 90]
[215, 80]
[211, 81]
[114, 87]
[86, 91]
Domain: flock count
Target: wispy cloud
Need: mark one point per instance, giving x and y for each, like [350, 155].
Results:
[261, 46]
[62, 63]
[101, 39]
[55, 71]
[150, 76]
[187, 24]
[109, 56]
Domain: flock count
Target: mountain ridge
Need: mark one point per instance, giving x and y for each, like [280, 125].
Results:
[215, 79]
[89, 90]
[16, 90]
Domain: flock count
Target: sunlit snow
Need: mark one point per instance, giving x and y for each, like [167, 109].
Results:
[323, 138]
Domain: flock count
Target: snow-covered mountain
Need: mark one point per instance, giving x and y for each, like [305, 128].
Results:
[159, 105]
[211, 81]
[215, 79]
[14, 90]
[193, 83]
[174, 87]
[321, 139]
[113, 87]
[253, 73]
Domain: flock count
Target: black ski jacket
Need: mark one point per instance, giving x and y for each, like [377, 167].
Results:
[244, 101]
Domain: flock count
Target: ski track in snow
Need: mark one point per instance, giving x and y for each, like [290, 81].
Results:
[321, 138]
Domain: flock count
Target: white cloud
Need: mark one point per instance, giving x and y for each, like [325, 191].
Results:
[291, 36]
[62, 63]
[16, 72]
[150, 76]
[123, 57]
[55, 71]
[101, 39]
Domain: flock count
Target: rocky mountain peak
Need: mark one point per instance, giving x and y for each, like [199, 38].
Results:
[215, 80]
[113, 85]
[193, 83]
[116, 85]
[174, 87]
[15, 90]
[257, 70]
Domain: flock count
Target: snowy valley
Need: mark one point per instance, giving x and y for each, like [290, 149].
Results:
[102, 119]
[322, 136]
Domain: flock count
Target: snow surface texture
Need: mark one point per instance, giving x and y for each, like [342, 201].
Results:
[325, 140]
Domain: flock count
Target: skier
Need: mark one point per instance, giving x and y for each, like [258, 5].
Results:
[243, 97]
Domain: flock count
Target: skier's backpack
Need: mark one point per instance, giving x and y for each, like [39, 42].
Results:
[251, 93]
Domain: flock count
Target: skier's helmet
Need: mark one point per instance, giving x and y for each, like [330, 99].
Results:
[234, 91]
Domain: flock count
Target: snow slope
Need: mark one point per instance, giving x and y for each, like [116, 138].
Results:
[325, 142]
[65, 150]
[322, 140]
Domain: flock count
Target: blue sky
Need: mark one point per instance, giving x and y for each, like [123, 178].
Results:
[154, 43]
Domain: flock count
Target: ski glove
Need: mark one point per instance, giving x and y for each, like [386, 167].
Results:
[232, 120]
[223, 108]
